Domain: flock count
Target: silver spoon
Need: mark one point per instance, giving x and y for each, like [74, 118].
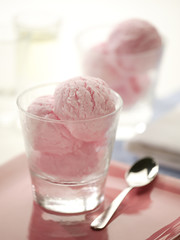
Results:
[140, 174]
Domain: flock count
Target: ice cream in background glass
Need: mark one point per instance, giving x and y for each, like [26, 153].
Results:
[69, 129]
[127, 56]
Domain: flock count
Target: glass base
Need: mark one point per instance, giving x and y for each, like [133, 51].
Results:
[68, 198]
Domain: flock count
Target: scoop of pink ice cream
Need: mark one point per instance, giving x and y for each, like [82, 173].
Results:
[97, 63]
[135, 44]
[130, 86]
[43, 107]
[134, 36]
[46, 135]
[85, 98]
[74, 165]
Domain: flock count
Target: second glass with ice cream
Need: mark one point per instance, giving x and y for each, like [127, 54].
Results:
[127, 56]
[69, 129]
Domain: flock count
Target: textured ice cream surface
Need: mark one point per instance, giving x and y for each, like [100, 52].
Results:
[88, 99]
[46, 135]
[43, 107]
[83, 98]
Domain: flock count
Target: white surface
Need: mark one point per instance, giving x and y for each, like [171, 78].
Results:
[77, 14]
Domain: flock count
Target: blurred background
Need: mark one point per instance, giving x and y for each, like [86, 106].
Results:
[57, 51]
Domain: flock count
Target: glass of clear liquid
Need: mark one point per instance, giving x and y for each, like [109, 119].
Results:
[38, 47]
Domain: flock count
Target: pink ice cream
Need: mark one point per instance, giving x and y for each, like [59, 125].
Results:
[74, 165]
[126, 59]
[131, 86]
[135, 44]
[97, 63]
[84, 99]
[134, 36]
[48, 136]
[61, 144]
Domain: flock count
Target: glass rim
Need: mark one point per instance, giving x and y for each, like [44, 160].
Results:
[33, 116]
[21, 20]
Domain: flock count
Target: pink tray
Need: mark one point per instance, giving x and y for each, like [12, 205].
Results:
[152, 212]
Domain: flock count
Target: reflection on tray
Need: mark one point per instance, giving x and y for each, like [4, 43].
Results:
[48, 226]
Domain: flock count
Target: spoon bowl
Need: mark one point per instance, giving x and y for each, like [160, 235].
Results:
[140, 174]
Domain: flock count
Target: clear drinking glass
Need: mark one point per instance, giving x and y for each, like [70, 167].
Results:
[38, 47]
[68, 160]
[133, 76]
[7, 74]
[7, 59]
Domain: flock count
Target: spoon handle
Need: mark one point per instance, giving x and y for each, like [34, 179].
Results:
[102, 220]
